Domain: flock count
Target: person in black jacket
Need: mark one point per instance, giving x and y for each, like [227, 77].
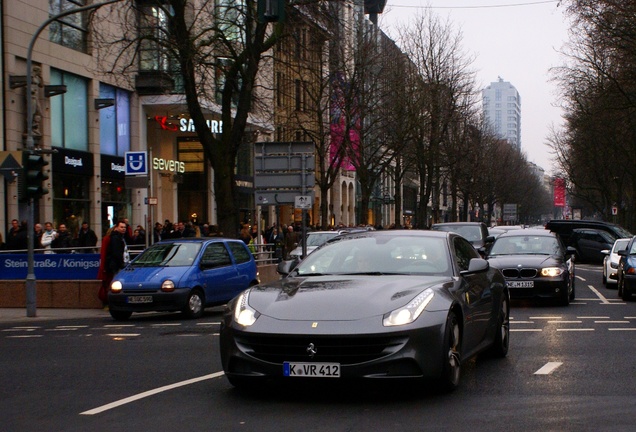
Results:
[117, 253]
[86, 238]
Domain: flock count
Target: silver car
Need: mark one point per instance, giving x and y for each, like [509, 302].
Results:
[610, 261]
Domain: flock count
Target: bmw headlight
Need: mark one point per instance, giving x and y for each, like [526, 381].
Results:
[551, 271]
[244, 314]
[167, 286]
[409, 313]
[116, 287]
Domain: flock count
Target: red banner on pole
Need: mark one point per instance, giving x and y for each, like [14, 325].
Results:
[559, 192]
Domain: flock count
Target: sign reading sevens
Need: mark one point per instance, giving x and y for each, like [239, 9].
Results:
[136, 163]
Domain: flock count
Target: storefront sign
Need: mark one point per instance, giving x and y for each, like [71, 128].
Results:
[168, 165]
[50, 266]
[187, 125]
[112, 167]
[75, 162]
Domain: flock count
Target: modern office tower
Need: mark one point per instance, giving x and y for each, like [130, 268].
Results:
[502, 110]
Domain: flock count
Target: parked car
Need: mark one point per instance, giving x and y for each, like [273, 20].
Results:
[590, 244]
[610, 262]
[185, 275]
[318, 238]
[475, 232]
[535, 264]
[564, 228]
[383, 304]
[626, 271]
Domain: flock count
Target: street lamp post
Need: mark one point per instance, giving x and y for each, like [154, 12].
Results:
[29, 146]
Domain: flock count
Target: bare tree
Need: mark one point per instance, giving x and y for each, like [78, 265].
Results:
[211, 54]
[447, 84]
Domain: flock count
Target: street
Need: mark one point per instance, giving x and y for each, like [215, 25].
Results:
[568, 369]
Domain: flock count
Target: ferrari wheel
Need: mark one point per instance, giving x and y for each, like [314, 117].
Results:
[194, 305]
[451, 367]
[502, 336]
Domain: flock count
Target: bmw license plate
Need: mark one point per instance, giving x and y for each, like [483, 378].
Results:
[311, 370]
[139, 299]
[521, 284]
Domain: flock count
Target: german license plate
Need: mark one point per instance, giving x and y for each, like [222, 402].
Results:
[521, 284]
[311, 370]
[139, 299]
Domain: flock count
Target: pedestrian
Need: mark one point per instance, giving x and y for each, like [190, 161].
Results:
[62, 241]
[37, 238]
[16, 236]
[86, 238]
[245, 234]
[102, 272]
[290, 241]
[48, 236]
[113, 257]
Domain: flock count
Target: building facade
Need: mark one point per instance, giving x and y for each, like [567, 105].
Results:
[502, 111]
[86, 120]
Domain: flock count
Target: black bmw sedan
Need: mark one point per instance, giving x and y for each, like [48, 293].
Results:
[535, 264]
[394, 304]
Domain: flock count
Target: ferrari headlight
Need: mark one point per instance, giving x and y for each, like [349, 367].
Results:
[551, 271]
[243, 314]
[409, 313]
[167, 286]
[116, 287]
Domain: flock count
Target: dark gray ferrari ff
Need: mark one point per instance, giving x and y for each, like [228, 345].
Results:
[390, 304]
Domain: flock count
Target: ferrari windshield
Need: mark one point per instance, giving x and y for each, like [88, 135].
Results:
[380, 255]
[172, 254]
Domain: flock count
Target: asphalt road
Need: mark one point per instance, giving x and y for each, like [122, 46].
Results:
[569, 369]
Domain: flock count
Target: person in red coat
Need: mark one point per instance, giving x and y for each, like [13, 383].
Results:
[103, 273]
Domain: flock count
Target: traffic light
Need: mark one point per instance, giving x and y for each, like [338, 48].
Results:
[33, 165]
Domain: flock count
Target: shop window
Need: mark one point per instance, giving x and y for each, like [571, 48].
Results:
[69, 113]
[70, 31]
[114, 122]
[71, 203]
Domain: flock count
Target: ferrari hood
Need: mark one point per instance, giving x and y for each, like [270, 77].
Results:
[337, 297]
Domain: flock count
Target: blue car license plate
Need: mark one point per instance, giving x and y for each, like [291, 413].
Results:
[139, 299]
[311, 370]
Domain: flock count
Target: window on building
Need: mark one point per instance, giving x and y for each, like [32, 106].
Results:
[230, 16]
[69, 112]
[154, 31]
[223, 65]
[70, 31]
[114, 121]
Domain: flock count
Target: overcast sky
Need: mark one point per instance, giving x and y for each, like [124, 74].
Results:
[516, 40]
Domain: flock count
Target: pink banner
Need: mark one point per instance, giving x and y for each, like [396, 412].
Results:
[559, 192]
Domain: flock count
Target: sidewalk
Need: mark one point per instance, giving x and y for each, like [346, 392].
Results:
[8, 315]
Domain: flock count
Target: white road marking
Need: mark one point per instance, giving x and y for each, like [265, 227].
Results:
[574, 329]
[166, 325]
[564, 322]
[580, 278]
[23, 336]
[611, 322]
[593, 317]
[17, 329]
[123, 334]
[521, 322]
[148, 393]
[622, 329]
[548, 368]
[546, 317]
[601, 296]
